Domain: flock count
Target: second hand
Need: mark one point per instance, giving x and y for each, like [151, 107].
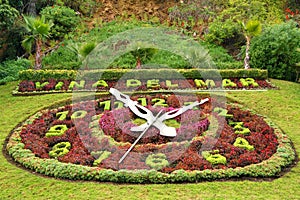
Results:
[136, 141]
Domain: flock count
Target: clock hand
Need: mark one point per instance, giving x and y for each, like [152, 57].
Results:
[179, 111]
[133, 105]
[146, 114]
[141, 135]
[164, 129]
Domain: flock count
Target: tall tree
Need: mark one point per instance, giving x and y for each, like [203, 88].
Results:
[252, 28]
[38, 30]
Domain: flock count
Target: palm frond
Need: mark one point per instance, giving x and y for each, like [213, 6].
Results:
[86, 49]
[253, 27]
[27, 43]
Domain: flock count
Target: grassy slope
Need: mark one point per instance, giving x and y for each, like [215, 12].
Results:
[282, 106]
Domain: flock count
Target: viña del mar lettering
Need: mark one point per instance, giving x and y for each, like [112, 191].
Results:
[143, 85]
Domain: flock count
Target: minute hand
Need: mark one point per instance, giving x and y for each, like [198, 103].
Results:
[179, 111]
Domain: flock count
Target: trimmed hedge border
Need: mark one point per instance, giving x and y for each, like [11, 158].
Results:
[284, 157]
[115, 74]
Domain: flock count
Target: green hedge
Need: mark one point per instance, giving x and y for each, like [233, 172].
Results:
[37, 75]
[115, 74]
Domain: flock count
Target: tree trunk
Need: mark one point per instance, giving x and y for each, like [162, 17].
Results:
[247, 57]
[38, 55]
[31, 9]
[138, 63]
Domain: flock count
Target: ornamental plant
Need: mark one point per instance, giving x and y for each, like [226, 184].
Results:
[251, 28]
[38, 30]
[65, 20]
[275, 50]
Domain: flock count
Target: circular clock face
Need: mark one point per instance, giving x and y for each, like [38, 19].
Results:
[98, 133]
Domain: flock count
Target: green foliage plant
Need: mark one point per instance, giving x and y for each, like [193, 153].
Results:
[77, 85]
[62, 58]
[60, 149]
[65, 20]
[220, 31]
[9, 69]
[239, 128]
[39, 75]
[243, 143]
[8, 16]
[251, 29]
[101, 156]
[225, 28]
[38, 30]
[85, 7]
[57, 130]
[275, 50]
[157, 161]
[228, 83]
[59, 85]
[248, 81]
[214, 157]
[85, 50]
[38, 85]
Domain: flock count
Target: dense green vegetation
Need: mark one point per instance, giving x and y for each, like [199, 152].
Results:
[218, 25]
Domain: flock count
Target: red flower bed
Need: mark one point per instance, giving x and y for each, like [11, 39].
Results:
[185, 151]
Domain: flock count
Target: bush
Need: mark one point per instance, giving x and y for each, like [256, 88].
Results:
[65, 20]
[62, 58]
[220, 31]
[8, 15]
[86, 7]
[9, 69]
[275, 50]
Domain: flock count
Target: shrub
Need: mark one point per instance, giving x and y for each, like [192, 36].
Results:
[220, 31]
[65, 20]
[86, 7]
[62, 58]
[275, 50]
[9, 69]
[8, 15]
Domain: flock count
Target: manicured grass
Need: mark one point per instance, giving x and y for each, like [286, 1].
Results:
[282, 106]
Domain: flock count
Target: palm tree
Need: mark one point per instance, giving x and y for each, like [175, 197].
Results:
[252, 28]
[38, 30]
[82, 51]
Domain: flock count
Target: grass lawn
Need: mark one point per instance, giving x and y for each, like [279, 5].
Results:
[282, 106]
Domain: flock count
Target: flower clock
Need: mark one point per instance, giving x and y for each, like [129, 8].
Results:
[150, 138]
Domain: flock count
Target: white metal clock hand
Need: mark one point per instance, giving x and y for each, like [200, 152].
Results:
[146, 114]
[164, 129]
[179, 111]
[141, 135]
